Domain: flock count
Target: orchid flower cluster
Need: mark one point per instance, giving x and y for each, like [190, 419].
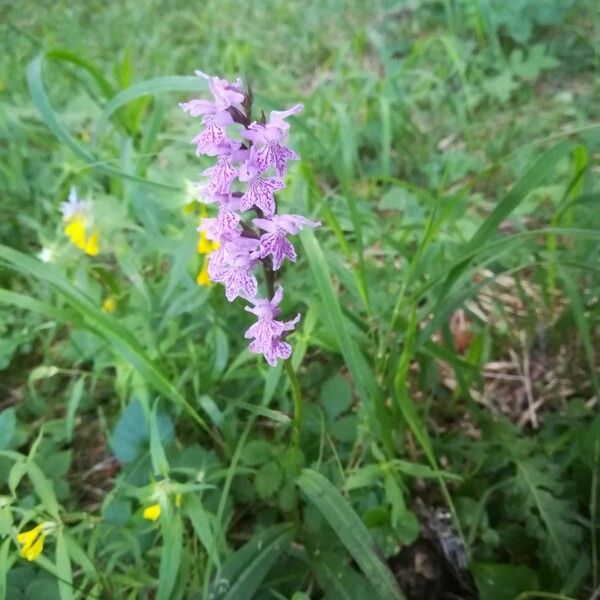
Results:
[251, 163]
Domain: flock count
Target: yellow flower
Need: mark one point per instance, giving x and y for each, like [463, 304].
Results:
[152, 512]
[205, 246]
[32, 542]
[203, 276]
[75, 230]
[109, 305]
[91, 246]
[76, 214]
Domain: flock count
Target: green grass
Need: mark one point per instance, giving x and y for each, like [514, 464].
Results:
[446, 360]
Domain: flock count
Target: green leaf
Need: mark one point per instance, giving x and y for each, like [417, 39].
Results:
[268, 479]
[160, 465]
[43, 488]
[63, 568]
[132, 432]
[274, 415]
[539, 486]
[6, 563]
[8, 424]
[116, 512]
[501, 86]
[336, 396]
[351, 531]
[198, 516]
[41, 589]
[256, 453]
[243, 573]
[73, 405]
[78, 556]
[499, 581]
[338, 580]
[344, 428]
[170, 558]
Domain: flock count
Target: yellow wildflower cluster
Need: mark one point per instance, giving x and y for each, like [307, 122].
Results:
[75, 231]
[204, 247]
[76, 214]
[32, 540]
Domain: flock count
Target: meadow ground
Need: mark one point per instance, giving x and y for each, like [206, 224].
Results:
[435, 433]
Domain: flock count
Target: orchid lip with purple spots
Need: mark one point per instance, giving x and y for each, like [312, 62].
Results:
[252, 159]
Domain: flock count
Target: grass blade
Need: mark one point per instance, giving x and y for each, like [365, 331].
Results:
[247, 568]
[103, 325]
[361, 372]
[170, 559]
[48, 114]
[351, 531]
[63, 568]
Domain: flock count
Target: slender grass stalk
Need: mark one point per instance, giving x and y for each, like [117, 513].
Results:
[593, 515]
[538, 595]
[297, 396]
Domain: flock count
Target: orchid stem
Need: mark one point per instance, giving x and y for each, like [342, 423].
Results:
[297, 396]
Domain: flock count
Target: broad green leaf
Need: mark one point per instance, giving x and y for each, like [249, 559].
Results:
[501, 581]
[268, 479]
[338, 580]
[336, 396]
[256, 453]
[351, 531]
[132, 433]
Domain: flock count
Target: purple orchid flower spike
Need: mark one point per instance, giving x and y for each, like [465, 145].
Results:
[225, 226]
[260, 192]
[268, 333]
[241, 180]
[274, 242]
[221, 176]
[224, 93]
[232, 264]
[268, 141]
